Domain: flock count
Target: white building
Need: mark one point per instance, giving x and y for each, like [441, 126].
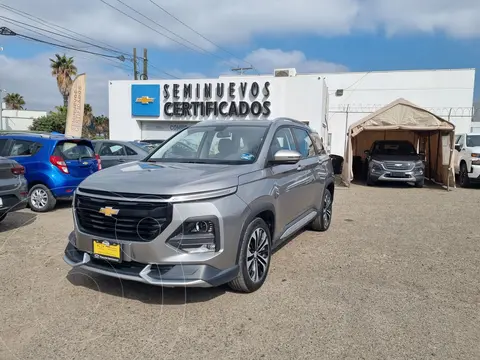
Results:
[346, 98]
[18, 119]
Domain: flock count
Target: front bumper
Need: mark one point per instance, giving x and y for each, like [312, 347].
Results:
[179, 275]
[156, 262]
[378, 173]
[474, 175]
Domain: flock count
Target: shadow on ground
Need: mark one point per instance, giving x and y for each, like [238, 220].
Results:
[16, 220]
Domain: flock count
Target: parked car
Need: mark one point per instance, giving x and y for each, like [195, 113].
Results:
[54, 165]
[467, 158]
[114, 152]
[145, 146]
[13, 187]
[394, 160]
[206, 208]
[155, 142]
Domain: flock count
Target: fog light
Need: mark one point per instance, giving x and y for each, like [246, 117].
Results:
[195, 236]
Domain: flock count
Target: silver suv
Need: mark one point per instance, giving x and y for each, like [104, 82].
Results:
[206, 208]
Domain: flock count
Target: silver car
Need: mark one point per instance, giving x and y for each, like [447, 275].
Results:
[206, 208]
[13, 187]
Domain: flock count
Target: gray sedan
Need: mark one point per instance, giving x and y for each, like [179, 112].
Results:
[13, 187]
[113, 152]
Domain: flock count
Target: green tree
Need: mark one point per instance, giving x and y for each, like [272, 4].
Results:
[63, 68]
[14, 101]
[101, 125]
[53, 121]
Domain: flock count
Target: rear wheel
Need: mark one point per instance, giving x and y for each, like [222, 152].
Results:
[254, 259]
[463, 177]
[41, 199]
[324, 218]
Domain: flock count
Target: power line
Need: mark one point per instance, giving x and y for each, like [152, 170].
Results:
[7, 32]
[199, 34]
[54, 26]
[202, 51]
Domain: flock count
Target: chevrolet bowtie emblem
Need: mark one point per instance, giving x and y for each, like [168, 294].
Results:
[144, 100]
[108, 211]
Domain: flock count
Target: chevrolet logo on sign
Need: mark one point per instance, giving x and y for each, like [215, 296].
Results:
[108, 211]
[144, 100]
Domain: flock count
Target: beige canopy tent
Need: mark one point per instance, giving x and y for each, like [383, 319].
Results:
[402, 120]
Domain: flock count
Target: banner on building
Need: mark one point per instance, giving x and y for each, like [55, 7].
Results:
[76, 102]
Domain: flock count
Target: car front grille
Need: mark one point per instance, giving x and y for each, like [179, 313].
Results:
[394, 166]
[135, 221]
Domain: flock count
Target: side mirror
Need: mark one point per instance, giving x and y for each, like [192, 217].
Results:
[286, 157]
[367, 152]
[458, 147]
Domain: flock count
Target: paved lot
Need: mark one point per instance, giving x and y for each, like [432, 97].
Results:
[396, 277]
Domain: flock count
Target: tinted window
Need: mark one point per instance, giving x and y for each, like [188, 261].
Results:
[304, 142]
[394, 148]
[24, 148]
[282, 140]
[112, 149]
[3, 143]
[130, 151]
[473, 140]
[230, 144]
[318, 143]
[74, 150]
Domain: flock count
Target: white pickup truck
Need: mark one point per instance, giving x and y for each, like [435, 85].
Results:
[467, 158]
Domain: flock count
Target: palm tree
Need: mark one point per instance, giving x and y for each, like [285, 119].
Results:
[14, 101]
[63, 69]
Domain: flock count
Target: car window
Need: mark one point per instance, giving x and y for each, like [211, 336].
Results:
[304, 142]
[24, 148]
[213, 144]
[282, 140]
[112, 149]
[3, 143]
[457, 139]
[130, 151]
[394, 148]
[473, 140]
[74, 150]
[318, 143]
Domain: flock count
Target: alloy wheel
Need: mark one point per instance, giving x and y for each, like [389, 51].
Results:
[39, 198]
[258, 255]
[327, 209]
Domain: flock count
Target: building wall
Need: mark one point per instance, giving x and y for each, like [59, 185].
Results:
[301, 98]
[19, 119]
[447, 93]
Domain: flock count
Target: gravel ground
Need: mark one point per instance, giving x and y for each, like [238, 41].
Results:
[397, 276]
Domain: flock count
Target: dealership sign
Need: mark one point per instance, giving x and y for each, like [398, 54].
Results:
[221, 99]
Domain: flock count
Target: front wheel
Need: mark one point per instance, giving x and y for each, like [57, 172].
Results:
[464, 179]
[254, 259]
[324, 218]
[420, 183]
[41, 199]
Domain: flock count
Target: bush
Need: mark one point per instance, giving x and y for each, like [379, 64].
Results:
[54, 121]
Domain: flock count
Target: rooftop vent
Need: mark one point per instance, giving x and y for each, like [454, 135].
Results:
[285, 72]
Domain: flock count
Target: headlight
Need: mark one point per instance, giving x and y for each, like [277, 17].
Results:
[419, 164]
[376, 165]
[196, 236]
[475, 155]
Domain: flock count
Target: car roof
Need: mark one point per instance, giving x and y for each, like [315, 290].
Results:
[38, 136]
[242, 122]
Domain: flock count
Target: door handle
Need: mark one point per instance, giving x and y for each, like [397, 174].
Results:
[121, 160]
[300, 167]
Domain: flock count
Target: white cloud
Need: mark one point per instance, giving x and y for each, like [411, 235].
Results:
[32, 79]
[232, 23]
[266, 60]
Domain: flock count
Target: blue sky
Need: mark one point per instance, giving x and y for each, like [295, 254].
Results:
[348, 35]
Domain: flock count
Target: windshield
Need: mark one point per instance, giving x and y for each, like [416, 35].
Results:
[226, 144]
[473, 140]
[74, 150]
[394, 148]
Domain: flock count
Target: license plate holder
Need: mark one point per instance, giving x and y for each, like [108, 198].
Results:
[107, 250]
[397, 174]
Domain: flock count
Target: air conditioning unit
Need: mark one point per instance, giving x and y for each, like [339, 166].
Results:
[285, 72]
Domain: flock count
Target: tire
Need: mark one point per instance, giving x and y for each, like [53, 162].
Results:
[463, 176]
[246, 280]
[420, 183]
[41, 199]
[369, 180]
[324, 218]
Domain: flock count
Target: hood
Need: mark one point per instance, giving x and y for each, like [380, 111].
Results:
[474, 149]
[382, 157]
[164, 178]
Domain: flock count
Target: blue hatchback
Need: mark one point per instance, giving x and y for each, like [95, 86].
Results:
[54, 164]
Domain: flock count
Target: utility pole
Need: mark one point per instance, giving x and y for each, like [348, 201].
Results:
[144, 76]
[135, 72]
[241, 70]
